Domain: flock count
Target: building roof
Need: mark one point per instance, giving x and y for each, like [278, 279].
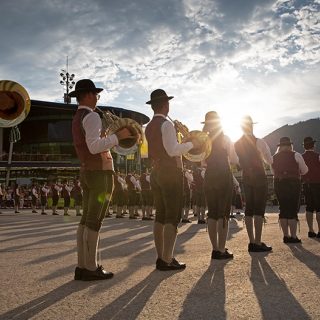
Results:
[37, 105]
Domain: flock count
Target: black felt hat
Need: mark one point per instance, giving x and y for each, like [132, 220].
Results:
[158, 95]
[84, 85]
[285, 141]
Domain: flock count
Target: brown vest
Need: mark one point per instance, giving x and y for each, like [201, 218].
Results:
[311, 159]
[157, 152]
[89, 161]
[285, 165]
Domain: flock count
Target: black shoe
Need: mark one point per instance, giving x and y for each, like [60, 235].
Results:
[318, 234]
[252, 247]
[119, 216]
[133, 217]
[43, 213]
[98, 274]
[55, 214]
[34, 211]
[17, 212]
[201, 222]
[226, 255]
[78, 273]
[286, 239]
[173, 265]
[312, 234]
[79, 215]
[215, 254]
[186, 221]
[294, 240]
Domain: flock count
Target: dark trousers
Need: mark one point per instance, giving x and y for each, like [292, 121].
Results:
[97, 192]
[288, 194]
[312, 196]
[166, 186]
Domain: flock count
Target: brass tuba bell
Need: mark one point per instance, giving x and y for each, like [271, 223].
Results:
[112, 123]
[15, 103]
[195, 154]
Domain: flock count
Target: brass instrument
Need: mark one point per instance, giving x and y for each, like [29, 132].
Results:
[195, 154]
[15, 103]
[112, 123]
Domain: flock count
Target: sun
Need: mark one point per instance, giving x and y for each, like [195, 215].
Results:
[231, 126]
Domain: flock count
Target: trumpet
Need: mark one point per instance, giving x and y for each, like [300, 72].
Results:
[195, 154]
[112, 124]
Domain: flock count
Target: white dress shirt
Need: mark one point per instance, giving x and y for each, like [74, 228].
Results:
[302, 165]
[169, 139]
[92, 126]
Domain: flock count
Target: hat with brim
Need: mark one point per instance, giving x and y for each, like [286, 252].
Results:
[247, 120]
[285, 141]
[158, 95]
[211, 117]
[309, 141]
[84, 85]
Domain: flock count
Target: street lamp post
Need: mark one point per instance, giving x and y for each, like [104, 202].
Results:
[67, 81]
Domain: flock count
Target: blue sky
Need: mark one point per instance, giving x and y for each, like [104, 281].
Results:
[257, 57]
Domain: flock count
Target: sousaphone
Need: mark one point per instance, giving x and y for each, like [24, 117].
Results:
[15, 103]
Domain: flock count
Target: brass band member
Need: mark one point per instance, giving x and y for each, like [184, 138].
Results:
[253, 153]
[44, 191]
[117, 197]
[55, 191]
[187, 181]
[166, 179]
[288, 167]
[147, 200]
[200, 198]
[96, 175]
[77, 196]
[34, 197]
[311, 185]
[218, 185]
[16, 197]
[66, 195]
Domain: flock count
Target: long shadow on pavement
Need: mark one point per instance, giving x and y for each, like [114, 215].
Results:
[311, 260]
[208, 297]
[33, 307]
[275, 299]
[131, 303]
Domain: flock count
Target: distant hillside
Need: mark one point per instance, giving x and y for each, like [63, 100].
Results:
[296, 132]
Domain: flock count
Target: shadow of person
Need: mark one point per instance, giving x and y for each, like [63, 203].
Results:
[131, 303]
[274, 297]
[208, 297]
[33, 307]
[311, 260]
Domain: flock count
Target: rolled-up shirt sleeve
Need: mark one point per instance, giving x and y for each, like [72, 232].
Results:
[170, 143]
[92, 127]
[302, 165]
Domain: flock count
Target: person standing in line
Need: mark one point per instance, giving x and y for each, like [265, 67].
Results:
[55, 192]
[146, 196]
[66, 194]
[218, 185]
[311, 185]
[1, 197]
[166, 179]
[253, 153]
[44, 191]
[288, 167]
[77, 196]
[34, 197]
[17, 195]
[187, 181]
[92, 146]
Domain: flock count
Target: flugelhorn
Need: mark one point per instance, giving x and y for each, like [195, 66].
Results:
[112, 123]
[15, 103]
[195, 154]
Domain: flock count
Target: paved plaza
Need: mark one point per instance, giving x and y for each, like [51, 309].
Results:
[38, 257]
